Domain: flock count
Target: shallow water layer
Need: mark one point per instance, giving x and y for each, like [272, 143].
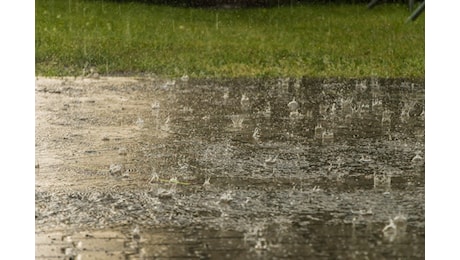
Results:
[141, 168]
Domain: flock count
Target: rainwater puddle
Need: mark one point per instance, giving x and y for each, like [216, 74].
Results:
[145, 168]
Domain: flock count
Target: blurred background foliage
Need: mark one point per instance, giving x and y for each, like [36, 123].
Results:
[252, 3]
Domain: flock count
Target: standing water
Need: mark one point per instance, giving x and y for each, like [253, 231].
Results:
[231, 169]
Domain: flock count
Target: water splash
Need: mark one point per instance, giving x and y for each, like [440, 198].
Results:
[154, 176]
[245, 102]
[386, 117]
[211, 151]
[295, 115]
[327, 137]
[237, 121]
[396, 228]
[226, 197]
[417, 158]
[122, 151]
[185, 78]
[115, 169]
[168, 84]
[166, 126]
[293, 105]
[271, 160]
[139, 123]
[319, 130]
[226, 95]
[256, 134]
[155, 105]
[382, 180]
[207, 182]
[267, 112]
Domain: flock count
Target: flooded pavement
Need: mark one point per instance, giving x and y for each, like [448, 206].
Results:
[142, 168]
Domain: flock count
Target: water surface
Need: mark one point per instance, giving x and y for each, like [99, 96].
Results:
[229, 169]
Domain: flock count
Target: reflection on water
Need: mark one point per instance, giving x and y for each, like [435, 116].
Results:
[237, 169]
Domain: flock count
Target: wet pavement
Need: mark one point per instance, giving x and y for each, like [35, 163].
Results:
[143, 168]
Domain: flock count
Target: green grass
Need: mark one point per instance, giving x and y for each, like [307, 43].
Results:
[306, 40]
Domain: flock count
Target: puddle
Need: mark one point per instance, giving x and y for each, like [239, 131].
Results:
[235, 169]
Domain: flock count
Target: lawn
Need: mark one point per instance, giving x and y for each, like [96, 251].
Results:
[134, 38]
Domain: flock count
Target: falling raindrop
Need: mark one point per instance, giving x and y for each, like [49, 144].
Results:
[128, 32]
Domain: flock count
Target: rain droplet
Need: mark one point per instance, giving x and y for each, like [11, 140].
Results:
[293, 105]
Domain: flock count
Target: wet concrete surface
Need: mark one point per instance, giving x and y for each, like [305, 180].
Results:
[143, 168]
